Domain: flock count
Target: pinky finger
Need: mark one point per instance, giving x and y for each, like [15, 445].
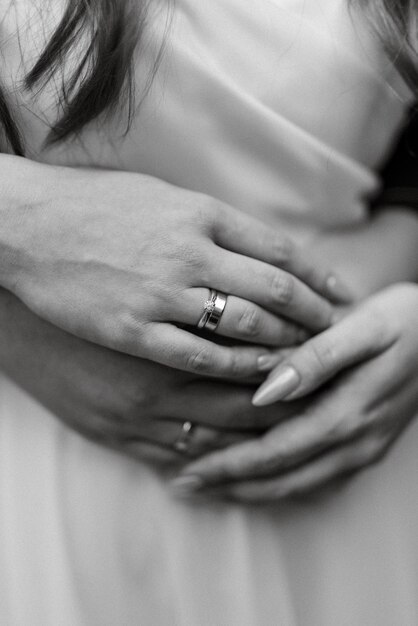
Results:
[308, 479]
[179, 349]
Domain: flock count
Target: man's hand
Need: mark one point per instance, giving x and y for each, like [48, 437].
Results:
[135, 406]
[347, 425]
[126, 261]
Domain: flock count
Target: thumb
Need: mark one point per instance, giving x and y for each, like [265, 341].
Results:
[357, 337]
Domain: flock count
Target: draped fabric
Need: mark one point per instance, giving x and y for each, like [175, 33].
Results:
[282, 108]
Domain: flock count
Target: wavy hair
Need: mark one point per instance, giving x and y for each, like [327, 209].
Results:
[396, 24]
[103, 77]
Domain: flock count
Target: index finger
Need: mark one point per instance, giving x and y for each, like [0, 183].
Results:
[357, 337]
[249, 236]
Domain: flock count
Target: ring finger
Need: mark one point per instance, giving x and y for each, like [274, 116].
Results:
[276, 290]
[186, 438]
[243, 320]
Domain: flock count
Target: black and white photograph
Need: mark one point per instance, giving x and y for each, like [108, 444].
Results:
[209, 313]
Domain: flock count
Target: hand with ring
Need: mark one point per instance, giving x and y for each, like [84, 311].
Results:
[128, 262]
[139, 408]
[370, 361]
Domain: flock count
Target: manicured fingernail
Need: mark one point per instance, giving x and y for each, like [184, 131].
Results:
[184, 485]
[266, 362]
[277, 387]
[337, 289]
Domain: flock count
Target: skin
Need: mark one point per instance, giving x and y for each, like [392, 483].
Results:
[79, 248]
[126, 403]
[360, 378]
[129, 404]
[60, 258]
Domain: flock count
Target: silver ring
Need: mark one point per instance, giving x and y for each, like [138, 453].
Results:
[183, 440]
[213, 310]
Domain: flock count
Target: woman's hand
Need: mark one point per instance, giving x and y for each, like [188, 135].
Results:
[123, 260]
[348, 425]
[129, 404]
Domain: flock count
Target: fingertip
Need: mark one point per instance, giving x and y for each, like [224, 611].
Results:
[258, 399]
[185, 485]
[338, 290]
[266, 362]
[277, 387]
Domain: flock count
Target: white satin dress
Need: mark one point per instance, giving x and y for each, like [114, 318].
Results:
[282, 108]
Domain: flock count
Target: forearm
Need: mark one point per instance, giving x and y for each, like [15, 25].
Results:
[24, 345]
[25, 186]
[56, 368]
[373, 256]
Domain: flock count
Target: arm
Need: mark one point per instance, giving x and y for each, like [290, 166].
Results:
[353, 421]
[123, 260]
[348, 426]
[134, 406]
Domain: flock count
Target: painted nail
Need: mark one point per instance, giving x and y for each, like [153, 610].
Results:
[277, 387]
[266, 362]
[184, 485]
[337, 289]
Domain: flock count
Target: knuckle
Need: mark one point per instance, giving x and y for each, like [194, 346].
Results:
[146, 400]
[249, 323]
[282, 288]
[233, 366]
[339, 430]
[283, 249]
[188, 253]
[379, 325]
[371, 415]
[366, 453]
[377, 449]
[211, 213]
[324, 355]
[346, 424]
[126, 334]
[197, 261]
[200, 362]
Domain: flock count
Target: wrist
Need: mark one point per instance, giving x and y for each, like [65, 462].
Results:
[23, 190]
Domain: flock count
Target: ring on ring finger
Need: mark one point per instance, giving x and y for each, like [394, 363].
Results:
[213, 310]
[240, 319]
[183, 440]
[193, 440]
